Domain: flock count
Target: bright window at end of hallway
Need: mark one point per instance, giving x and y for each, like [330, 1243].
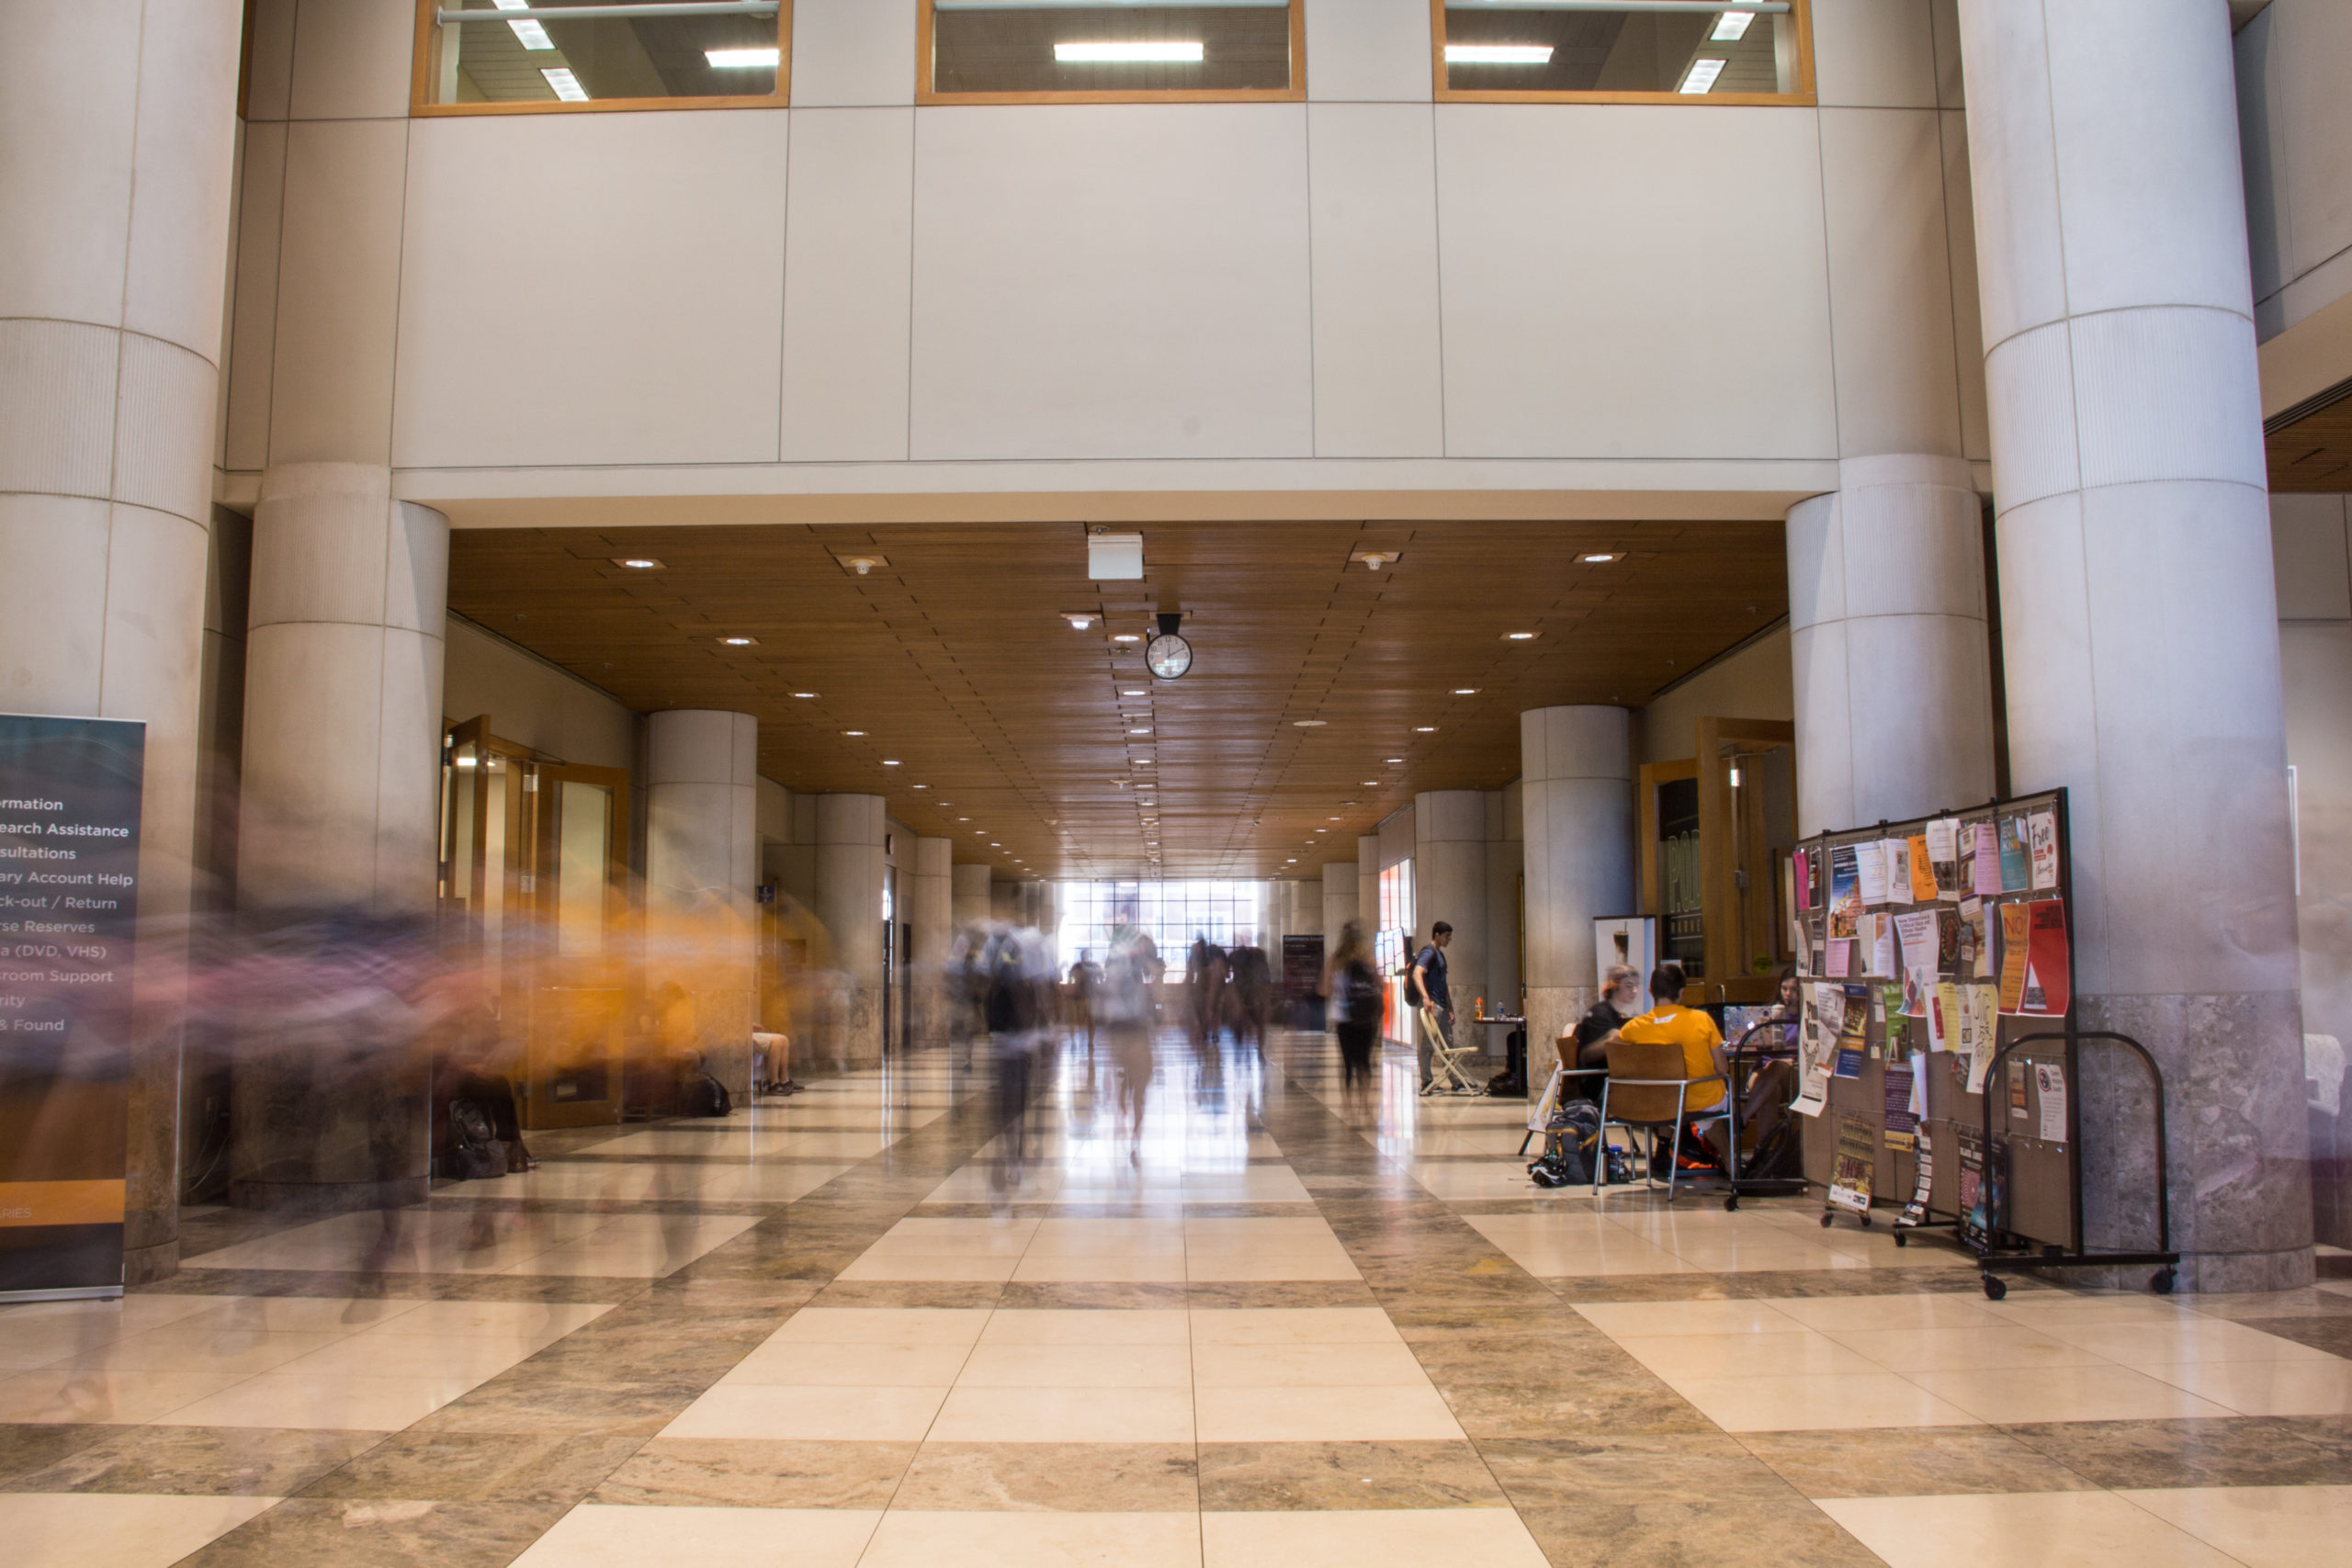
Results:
[1110, 51]
[1624, 51]
[573, 56]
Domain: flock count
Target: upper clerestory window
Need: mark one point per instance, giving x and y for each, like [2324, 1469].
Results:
[1016, 51]
[567, 56]
[1625, 51]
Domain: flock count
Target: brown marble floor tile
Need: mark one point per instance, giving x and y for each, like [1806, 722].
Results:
[1530, 1321]
[1280, 1294]
[2333, 1334]
[390, 1533]
[1084, 1294]
[688, 1294]
[1642, 1288]
[908, 1293]
[520, 1403]
[1265, 1476]
[1771, 1283]
[1052, 1478]
[735, 1473]
[1627, 1405]
[26, 1447]
[219, 1461]
[1558, 1356]
[1627, 1530]
[2264, 1450]
[1910, 1462]
[1543, 1472]
[527, 1288]
[479, 1467]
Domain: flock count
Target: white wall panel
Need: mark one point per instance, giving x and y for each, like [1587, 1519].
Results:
[1111, 281]
[846, 281]
[338, 291]
[1379, 391]
[1369, 51]
[1633, 282]
[1889, 282]
[853, 52]
[1874, 53]
[593, 288]
[352, 58]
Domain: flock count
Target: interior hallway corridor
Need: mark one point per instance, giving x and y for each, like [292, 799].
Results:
[854, 1328]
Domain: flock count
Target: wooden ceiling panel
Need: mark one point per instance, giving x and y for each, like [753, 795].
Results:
[956, 662]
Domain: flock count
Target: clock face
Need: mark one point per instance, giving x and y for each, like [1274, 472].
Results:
[1169, 656]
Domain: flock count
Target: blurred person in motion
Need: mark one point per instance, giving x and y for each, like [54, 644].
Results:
[1085, 979]
[1352, 986]
[1124, 1004]
[1020, 1017]
[1253, 996]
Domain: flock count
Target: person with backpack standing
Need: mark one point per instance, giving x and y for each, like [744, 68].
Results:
[1426, 989]
[1352, 986]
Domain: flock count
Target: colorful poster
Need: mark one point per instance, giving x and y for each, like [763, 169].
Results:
[2041, 844]
[1901, 1126]
[1840, 951]
[2018, 1111]
[1898, 870]
[1870, 869]
[1881, 944]
[1923, 871]
[1944, 856]
[1815, 1032]
[1801, 868]
[1943, 1019]
[1853, 1168]
[1975, 951]
[1845, 890]
[1979, 1203]
[1979, 1028]
[1895, 1026]
[2049, 982]
[2017, 854]
[1985, 859]
[1817, 885]
[1853, 1029]
[2015, 932]
[2050, 1091]
[1920, 941]
[1923, 1182]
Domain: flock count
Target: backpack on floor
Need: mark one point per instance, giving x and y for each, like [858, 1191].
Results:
[1571, 1139]
[704, 1096]
[475, 1153]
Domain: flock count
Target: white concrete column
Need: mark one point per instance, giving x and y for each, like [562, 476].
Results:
[2138, 612]
[1888, 644]
[971, 895]
[930, 903]
[1449, 884]
[702, 867]
[1505, 862]
[118, 131]
[343, 694]
[850, 829]
[1368, 883]
[1577, 805]
[1340, 904]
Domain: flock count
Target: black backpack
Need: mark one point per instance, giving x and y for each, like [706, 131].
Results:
[1571, 1138]
[1360, 993]
[475, 1153]
[704, 1096]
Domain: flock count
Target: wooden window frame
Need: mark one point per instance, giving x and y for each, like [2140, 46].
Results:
[925, 93]
[1803, 97]
[419, 107]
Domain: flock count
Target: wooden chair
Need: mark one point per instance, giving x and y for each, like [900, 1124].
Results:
[1648, 1089]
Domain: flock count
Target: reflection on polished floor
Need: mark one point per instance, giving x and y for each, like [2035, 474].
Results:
[869, 1326]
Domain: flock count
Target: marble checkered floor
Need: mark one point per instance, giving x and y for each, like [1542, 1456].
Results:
[1272, 1324]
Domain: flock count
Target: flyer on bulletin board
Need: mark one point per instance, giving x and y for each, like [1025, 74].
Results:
[1920, 942]
[1853, 1029]
[1984, 874]
[2017, 854]
[1870, 870]
[2015, 930]
[2041, 843]
[1854, 1167]
[1943, 857]
[2047, 980]
[1898, 871]
[1923, 871]
[1845, 891]
[1815, 1034]
[1902, 1125]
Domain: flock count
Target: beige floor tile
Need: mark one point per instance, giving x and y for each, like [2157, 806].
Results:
[1649, 1319]
[1077, 1366]
[813, 1414]
[119, 1315]
[974, 1415]
[1960, 1349]
[184, 1349]
[1361, 1365]
[336, 1404]
[1067, 1268]
[2048, 1530]
[1800, 1353]
[1292, 1325]
[992, 1237]
[93, 1530]
[473, 1358]
[1093, 1237]
[2262, 1526]
[1391, 1413]
[768, 1183]
[511, 1320]
[2267, 1388]
[882, 1326]
[810, 1365]
[2190, 1338]
[1818, 1404]
[128, 1398]
[1385, 1538]
[2045, 1309]
[1943, 1311]
[598, 1535]
[913, 1538]
[1207, 1266]
[2012, 1395]
[1033, 1325]
[1466, 1181]
[308, 1315]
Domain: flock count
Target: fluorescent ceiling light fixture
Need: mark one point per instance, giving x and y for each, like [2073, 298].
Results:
[1465, 691]
[742, 58]
[889, 763]
[739, 641]
[1124, 637]
[1731, 26]
[1600, 558]
[805, 697]
[638, 563]
[1519, 637]
[1142, 763]
[1499, 54]
[529, 32]
[1138, 732]
[1701, 75]
[1135, 694]
[1078, 623]
[1307, 723]
[853, 734]
[1148, 51]
[1394, 762]
[567, 86]
[923, 786]
[1425, 729]
[1373, 783]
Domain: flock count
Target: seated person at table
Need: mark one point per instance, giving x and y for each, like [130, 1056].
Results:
[1692, 1029]
[1618, 1000]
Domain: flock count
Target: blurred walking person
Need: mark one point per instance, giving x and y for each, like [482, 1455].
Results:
[1352, 986]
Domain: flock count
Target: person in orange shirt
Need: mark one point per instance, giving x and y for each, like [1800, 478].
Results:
[1689, 1029]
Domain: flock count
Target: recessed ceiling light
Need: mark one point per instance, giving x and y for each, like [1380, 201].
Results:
[1138, 732]
[1078, 623]
[565, 85]
[638, 563]
[921, 787]
[806, 696]
[889, 763]
[1373, 782]
[1701, 75]
[1465, 691]
[963, 819]
[1135, 694]
[1166, 51]
[860, 565]
[853, 734]
[1425, 729]
[1308, 723]
[1519, 637]
[1124, 637]
[1142, 763]
[742, 59]
[1732, 25]
[1601, 558]
[1331, 819]
[739, 641]
[1499, 54]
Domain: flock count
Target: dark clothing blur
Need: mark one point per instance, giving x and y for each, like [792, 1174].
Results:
[1594, 1027]
[1431, 962]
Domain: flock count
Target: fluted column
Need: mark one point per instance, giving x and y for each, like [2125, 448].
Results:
[1577, 797]
[850, 867]
[930, 900]
[1341, 902]
[702, 867]
[2138, 611]
[1449, 884]
[971, 895]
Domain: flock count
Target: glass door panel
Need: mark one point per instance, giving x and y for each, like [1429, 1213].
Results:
[570, 971]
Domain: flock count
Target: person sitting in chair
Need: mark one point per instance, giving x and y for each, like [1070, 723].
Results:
[1689, 1029]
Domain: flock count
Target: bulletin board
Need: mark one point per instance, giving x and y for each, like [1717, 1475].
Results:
[1924, 946]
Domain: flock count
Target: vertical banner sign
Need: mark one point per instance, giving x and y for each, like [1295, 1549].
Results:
[69, 894]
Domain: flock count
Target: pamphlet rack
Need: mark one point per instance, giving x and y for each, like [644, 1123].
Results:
[1737, 1057]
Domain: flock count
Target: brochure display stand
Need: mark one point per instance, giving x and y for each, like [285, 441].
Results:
[1938, 1061]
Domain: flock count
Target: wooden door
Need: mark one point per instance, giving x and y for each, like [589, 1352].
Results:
[577, 962]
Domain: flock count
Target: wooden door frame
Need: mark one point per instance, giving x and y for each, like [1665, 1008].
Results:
[1718, 883]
